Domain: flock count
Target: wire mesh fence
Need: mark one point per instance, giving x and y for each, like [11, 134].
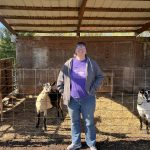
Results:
[116, 115]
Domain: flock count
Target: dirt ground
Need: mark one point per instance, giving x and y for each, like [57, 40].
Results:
[116, 119]
[103, 145]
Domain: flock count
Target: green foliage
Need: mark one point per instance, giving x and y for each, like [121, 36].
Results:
[7, 48]
[26, 34]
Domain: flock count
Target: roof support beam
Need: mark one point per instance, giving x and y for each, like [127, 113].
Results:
[76, 18]
[35, 8]
[117, 18]
[40, 31]
[105, 31]
[40, 17]
[101, 9]
[81, 31]
[80, 14]
[145, 27]
[132, 0]
[73, 25]
[4, 22]
[91, 9]
[42, 25]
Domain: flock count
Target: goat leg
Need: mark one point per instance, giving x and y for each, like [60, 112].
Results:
[57, 107]
[57, 112]
[44, 120]
[147, 127]
[62, 115]
[45, 128]
[38, 120]
[141, 123]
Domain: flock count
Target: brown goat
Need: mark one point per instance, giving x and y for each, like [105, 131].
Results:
[56, 101]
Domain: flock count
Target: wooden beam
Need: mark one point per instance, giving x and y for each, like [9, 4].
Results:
[105, 31]
[145, 27]
[4, 22]
[80, 15]
[42, 25]
[40, 17]
[73, 25]
[35, 8]
[92, 9]
[132, 0]
[76, 18]
[81, 31]
[40, 31]
[117, 18]
[101, 9]
[111, 25]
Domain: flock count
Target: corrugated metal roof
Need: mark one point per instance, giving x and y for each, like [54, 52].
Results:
[118, 3]
[38, 13]
[75, 15]
[43, 3]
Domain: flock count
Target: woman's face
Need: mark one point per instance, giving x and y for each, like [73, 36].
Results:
[80, 50]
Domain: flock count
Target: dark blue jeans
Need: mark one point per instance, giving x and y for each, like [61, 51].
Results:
[86, 107]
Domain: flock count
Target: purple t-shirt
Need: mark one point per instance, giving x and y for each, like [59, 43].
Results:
[78, 78]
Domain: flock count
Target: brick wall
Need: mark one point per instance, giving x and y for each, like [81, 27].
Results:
[52, 52]
[119, 54]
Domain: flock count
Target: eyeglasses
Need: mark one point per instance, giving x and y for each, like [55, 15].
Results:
[80, 46]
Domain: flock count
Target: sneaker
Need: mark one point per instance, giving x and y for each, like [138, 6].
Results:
[93, 148]
[74, 146]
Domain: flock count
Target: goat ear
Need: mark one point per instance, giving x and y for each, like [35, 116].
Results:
[48, 84]
[53, 83]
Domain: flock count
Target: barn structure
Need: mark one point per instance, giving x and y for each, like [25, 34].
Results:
[124, 59]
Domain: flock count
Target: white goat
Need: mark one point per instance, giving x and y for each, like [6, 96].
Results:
[43, 103]
[143, 107]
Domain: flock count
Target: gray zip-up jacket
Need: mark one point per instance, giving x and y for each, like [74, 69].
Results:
[93, 79]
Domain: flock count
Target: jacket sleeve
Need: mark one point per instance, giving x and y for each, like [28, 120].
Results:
[60, 80]
[98, 76]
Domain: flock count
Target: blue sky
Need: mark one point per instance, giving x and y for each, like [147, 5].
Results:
[1, 25]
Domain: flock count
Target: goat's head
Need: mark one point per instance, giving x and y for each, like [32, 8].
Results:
[47, 87]
[145, 94]
[54, 86]
[142, 91]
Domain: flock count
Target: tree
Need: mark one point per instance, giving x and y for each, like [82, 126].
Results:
[7, 48]
[26, 34]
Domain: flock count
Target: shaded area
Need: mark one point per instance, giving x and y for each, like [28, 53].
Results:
[20, 124]
[114, 122]
[59, 145]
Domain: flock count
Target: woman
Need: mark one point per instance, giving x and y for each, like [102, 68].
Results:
[78, 81]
